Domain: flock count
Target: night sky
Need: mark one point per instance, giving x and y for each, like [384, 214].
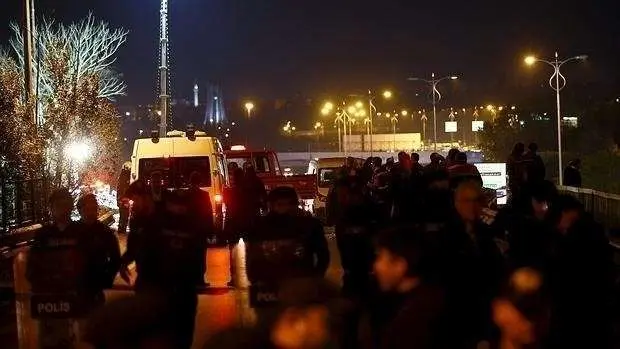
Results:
[275, 48]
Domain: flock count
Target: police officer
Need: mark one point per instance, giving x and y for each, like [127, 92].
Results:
[202, 214]
[57, 270]
[285, 244]
[168, 258]
[102, 248]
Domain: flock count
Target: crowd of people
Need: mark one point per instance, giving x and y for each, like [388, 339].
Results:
[427, 260]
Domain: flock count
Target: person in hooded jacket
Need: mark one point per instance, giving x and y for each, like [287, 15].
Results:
[285, 244]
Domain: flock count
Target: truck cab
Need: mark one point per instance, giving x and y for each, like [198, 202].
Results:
[267, 167]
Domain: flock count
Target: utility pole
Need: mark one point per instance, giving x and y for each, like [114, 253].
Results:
[28, 32]
[164, 97]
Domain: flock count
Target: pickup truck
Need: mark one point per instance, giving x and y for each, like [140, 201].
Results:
[268, 169]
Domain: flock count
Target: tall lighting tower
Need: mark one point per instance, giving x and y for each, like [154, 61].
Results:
[164, 97]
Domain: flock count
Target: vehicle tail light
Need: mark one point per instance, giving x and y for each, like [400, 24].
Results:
[218, 198]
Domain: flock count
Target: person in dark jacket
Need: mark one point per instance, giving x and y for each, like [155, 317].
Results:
[471, 267]
[240, 217]
[435, 164]
[460, 171]
[201, 211]
[255, 191]
[121, 199]
[283, 245]
[451, 157]
[350, 209]
[168, 258]
[403, 193]
[534, 165]
[103, 249]
[142, 210]
[581, 274]
[529, 232]
[409, 311]
[572, 174]
[515, 169]
[437, 200]
[59, 259]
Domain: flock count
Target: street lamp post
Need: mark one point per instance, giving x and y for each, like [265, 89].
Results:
[557, 81]
[436, 98]
[339, 119]
[394, 121]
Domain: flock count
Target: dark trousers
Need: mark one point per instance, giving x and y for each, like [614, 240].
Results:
[185, 305]
[123, 219]
[181, 309]
[356, 256]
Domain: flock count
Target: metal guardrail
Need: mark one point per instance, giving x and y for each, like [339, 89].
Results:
[22, 203]
[605, 208]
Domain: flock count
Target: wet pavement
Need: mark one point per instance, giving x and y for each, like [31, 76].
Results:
[219, 306]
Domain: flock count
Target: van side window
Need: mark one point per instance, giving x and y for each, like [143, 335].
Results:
[221, 167]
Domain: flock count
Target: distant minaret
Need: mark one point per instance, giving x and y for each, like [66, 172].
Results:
[196, 95]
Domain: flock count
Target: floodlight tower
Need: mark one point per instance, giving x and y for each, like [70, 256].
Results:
[164, 97]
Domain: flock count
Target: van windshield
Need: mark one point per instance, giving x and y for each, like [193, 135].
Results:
[327, 176]
[176, 172]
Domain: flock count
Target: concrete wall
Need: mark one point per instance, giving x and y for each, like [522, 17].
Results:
[473, 157]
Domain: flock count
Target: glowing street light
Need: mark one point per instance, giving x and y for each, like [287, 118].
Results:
[530, 60]
[436, 98]
[249, 106]
[78, 151]
[359, 105]
[325, 111]
[557, 81]
[404, 113]
[328, 105]
[351, 110]
[387, 94]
